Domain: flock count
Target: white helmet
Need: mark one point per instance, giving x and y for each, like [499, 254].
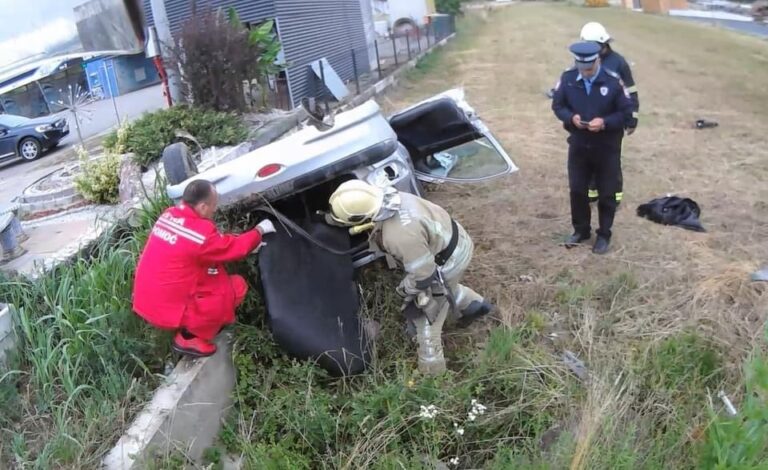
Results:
[593, 31]
[355, 202]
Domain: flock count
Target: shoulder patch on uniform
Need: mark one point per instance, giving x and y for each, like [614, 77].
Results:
[613, 74]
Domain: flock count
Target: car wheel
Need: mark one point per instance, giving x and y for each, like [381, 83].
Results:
[178, 163]
[30, 149]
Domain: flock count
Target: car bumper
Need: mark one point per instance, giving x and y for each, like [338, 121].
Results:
[53, 137]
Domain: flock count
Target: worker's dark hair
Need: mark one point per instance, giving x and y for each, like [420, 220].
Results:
[197, 191]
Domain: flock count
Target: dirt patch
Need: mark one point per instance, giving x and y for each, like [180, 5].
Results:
[685, 279]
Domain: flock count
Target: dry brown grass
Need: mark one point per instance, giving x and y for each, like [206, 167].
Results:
[505, 61]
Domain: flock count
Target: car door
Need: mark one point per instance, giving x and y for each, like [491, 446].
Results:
[7, 142]
[448, 142]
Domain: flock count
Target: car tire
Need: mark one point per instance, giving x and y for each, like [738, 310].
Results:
[178, 163]
[30, 149]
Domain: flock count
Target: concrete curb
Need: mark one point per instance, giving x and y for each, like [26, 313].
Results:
[7, 333]
[185, 412]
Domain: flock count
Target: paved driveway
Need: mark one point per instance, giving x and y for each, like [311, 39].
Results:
[100, 119]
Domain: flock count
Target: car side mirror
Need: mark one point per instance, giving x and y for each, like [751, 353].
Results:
[3, 131]
[321, 117]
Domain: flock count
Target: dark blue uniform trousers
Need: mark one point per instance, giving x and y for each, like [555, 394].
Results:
[603, 163]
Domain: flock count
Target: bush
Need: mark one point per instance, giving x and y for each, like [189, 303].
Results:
[452, 7]
[149, 135]
[217, 54]
[100, 179]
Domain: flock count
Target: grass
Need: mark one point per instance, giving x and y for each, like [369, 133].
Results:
[85, 363]
[663, 323]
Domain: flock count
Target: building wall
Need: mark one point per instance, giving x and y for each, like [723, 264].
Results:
[311, 30]
[308, 29]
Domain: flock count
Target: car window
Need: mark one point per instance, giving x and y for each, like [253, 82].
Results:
[474, 160]
[9, 120]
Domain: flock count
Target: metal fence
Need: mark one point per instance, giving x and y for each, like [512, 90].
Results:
[379, 59]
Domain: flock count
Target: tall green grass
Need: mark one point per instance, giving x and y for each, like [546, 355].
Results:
[84, 362]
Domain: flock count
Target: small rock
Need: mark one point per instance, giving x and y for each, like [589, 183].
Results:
[130, 179]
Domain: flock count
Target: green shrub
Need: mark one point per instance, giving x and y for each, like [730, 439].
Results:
[147, 136]
[100, 179]
[452, 7]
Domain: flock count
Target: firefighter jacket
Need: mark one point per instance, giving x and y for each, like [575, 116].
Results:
[615, 62]
[181, 268]
[414, 236]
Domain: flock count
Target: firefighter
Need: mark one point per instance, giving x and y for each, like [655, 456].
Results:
[615, 62]
[594, 107]
[433, 249]
[181, 283]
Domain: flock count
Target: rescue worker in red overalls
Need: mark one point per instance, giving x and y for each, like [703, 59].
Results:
[181, 283]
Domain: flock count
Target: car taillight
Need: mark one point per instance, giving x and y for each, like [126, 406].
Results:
[269, 170]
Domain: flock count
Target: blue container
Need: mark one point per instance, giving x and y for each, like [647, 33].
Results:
[102, 79]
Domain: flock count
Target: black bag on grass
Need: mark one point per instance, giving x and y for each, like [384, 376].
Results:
[312, 299]
[673, 210]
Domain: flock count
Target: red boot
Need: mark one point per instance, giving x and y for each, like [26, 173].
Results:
[194, 346]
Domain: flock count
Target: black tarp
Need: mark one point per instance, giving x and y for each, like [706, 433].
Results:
[312, 299]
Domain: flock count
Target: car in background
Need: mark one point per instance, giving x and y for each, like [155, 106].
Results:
[28, 139]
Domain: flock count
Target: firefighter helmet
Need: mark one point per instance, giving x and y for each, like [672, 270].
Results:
[355, 202]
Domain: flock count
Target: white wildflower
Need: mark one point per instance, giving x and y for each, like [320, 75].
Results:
[454, 461]
[428, 412]
[459, 431]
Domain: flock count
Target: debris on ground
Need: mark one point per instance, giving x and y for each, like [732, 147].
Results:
[673, 210]
[704, 124]
[576, 365]
[727, 402]
[760, 275]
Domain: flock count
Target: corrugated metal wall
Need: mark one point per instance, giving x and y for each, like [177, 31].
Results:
[314, 29]
[180, 10]
[309, 30]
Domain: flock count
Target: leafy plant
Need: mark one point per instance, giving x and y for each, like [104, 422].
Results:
[100, 179]
[147, 136]
[262, 38]
[452, 7]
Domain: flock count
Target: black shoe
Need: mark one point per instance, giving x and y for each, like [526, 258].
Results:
[601, 246]
[576, 239]
[475, 311]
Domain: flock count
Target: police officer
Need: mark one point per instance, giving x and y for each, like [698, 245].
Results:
[615, 62]
[594, 107]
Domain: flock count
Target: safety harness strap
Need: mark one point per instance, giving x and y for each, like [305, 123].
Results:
[442, 257]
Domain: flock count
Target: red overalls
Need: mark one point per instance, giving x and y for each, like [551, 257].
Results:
[180, 278]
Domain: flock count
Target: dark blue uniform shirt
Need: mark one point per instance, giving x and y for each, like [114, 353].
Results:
[608, 99]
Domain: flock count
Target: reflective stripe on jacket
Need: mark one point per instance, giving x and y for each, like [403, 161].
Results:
[182, 258]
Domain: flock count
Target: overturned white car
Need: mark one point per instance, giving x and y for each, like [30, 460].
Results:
[307, 268]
